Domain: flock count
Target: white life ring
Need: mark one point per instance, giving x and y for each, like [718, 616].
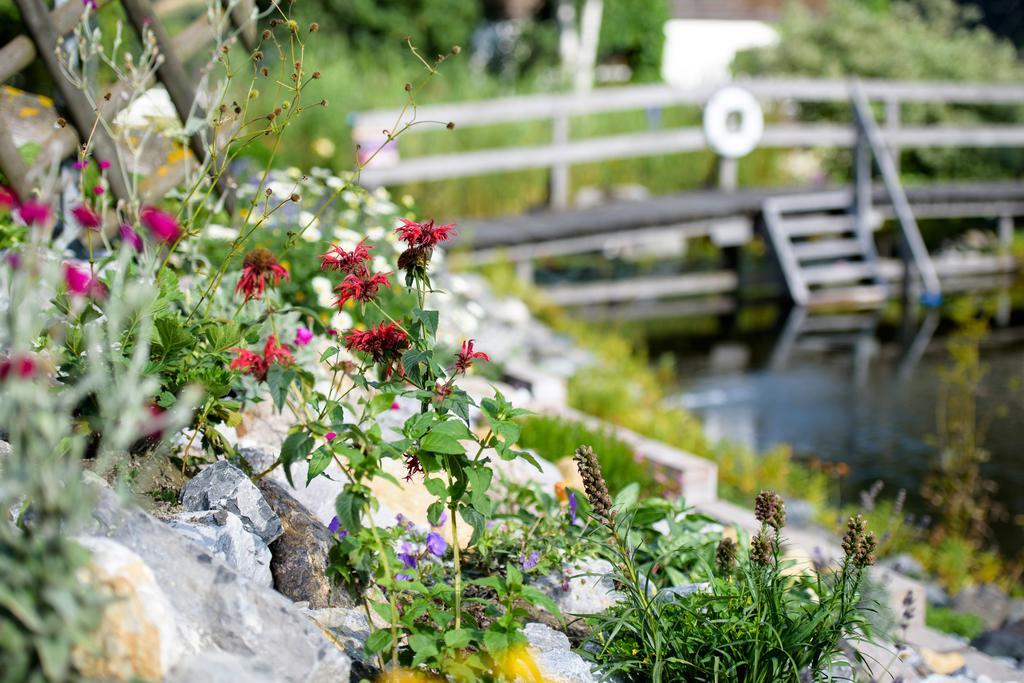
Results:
[733, 122]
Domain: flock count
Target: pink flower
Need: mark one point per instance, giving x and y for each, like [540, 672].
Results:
[80, 165]
[395, 406]
[91, 4]
[104, 164]
[8, 200]
[303, 336]
[98, 190]
[22, 366]
[331, 332]
[14, 259]
[80, 282]
[86, 217]
[131, 237]
[163, 225]
[34, 213]
[330, 436]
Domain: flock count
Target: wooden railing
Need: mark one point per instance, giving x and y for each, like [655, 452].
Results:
[562, 152]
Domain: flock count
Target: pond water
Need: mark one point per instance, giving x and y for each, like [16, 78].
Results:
[857, 390]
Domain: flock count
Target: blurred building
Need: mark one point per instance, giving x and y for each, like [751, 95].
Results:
[703, 36]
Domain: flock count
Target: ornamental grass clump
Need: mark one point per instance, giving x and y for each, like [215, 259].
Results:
[743, 618]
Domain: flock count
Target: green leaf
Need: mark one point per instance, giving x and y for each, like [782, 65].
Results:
[453, 428]
[171, 336]
[514, 578]
[480, 484]
[458, 638]
[296, 447]
[378, 641]
[495, 641]
[429, 320]
[318, 463]
[380, 402]
[628, 496]
[539, 597]
[423, 646]
[349, 506]
[434, 511]
[475, 520]
[437, 442]
[436, 487]
[279, 378]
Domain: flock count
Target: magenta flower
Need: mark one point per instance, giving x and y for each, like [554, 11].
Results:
[436, 545]
[17, 366]
[86, 217]
[303, 336]
[34, 213]
[8, 200]
[80, 282]
[330, 436]
[162, 224]
[131, 237]
[98, 190]
[394, 405]
[104, 164]
[80, 164]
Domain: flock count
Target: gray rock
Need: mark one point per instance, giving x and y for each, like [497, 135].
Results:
[223, 534]
[682, 591]
[300, 554]
[351, 629]
[1004, 642]
[1015, 612]
[222, 486]
[554, 657]
[215, 610]
[987, 601]
[904, 563]
[591, 589]
[5, 448]
[221, 667]
[936, 594]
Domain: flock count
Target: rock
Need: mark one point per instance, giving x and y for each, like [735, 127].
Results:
[214, 609]
[222, 486]
[987, 601]
[591, 589]
[223, 534]
[1015, 612]
[676, 592]
[554, 657]
[351, 629]
[1004, 642]
[936, 594]
[136, 638]
[300, 554]
[904, 563]
[941, 662]
[220, 667]
[5, 448]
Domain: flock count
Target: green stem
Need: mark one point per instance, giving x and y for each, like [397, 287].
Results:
[455, 557]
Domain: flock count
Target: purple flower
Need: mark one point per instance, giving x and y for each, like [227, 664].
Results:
[131, 237]
[403, 522]
[335, 528]
[303, 336]
[531, 561]
[442, 519]
[436, 544]
[408, 556]
[572, 507]
[403, 577]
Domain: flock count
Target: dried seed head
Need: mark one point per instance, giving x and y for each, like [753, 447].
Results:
[593, 482]
[259, 259]
[725, 556]
[770, 509]
[451, 125]
[314, 27]
[761, 549]
[316, 75]
[456, 49]
[408, 87]
[266, 33]
[294, 197]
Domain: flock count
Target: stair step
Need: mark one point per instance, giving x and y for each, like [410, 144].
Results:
[864, 296]
[824, 324]
[817, 224]
[834, 273]
[823, 249]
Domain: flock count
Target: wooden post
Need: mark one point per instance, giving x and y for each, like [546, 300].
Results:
[559, 182]
[892, 125]
[172, 74]
[728, 173]
[13, 166]
[37, 20]
[1006, 233]
[862, 182]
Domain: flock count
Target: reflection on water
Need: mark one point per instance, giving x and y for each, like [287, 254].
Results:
[857, 389]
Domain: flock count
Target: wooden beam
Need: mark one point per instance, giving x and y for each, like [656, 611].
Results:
[13, 166]
[21, 51]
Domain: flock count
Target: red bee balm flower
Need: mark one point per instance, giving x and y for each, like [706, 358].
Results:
[253, 364]
[424, 235]
[337, 258]
[361, 286]
[384, 343]
[163, 225]
[8, 200]
[259, 264]
[467, 355]
[86, 217]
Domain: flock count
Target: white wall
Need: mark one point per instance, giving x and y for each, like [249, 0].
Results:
[699, 51]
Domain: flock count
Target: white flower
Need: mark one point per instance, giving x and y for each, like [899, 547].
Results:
[220, 232]
[324, 292]
[376, 233]
[341, 321]
[380, 264]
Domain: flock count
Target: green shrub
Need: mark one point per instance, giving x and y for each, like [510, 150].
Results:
[950, 621]
[635, 30]
[554, 438]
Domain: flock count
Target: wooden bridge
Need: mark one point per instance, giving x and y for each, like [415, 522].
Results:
[822, 238]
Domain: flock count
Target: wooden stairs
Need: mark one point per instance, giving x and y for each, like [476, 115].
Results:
[827, 256]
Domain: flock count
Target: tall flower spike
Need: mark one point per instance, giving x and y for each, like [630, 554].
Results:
[761, 549]
[859, 543]
[593, 482]
[770, 509]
